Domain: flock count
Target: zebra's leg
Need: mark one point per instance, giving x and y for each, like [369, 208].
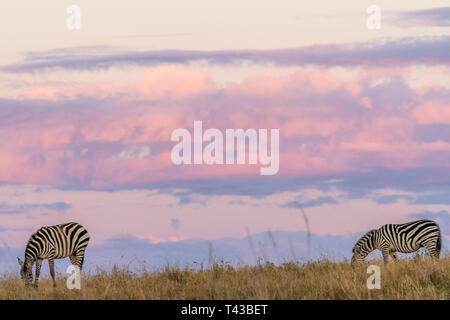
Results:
[38, 272]
[436, 244]
[77, 260]
[432, 249]
[73, 260]
[51, 265]
[393, 255]
[79, 254]
[385, 256]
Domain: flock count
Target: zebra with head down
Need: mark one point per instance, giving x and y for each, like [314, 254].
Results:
[406, 238]
[53, 242]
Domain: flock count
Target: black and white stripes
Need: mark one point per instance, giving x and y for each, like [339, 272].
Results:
[405, 238]
[54, 242]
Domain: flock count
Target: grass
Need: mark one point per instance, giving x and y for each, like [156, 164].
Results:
[324, 279]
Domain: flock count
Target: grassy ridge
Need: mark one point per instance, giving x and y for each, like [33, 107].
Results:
[404, 279]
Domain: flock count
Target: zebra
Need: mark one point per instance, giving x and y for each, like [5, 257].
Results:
[406, 238]
[53, 242]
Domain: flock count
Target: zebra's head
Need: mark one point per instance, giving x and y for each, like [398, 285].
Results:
[26, 272]
[364, 246]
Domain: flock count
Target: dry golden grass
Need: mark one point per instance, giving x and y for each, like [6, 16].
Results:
[404, 279]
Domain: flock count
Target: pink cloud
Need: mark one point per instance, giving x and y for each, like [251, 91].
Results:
[154, 239]
[174, 82]
[384, 72]
[327, 124]
[312, 81]
[310, 126]
[432, 112]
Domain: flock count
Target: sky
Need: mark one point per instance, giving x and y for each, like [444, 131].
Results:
[86, 118]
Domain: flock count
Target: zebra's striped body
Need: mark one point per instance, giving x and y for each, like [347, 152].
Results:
[54, 242]
[405, 238]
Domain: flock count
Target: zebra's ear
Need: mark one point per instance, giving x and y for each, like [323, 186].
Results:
[20, 262]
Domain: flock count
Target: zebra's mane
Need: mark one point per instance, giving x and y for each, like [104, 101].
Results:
[369, 234]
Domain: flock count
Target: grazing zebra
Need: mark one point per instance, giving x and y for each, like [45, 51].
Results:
[406, 238]
[53, 242]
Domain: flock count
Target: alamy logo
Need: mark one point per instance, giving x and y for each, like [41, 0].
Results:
[73, 21]
[374, 281]
[235, 147]
[374, 20]
[74, 280]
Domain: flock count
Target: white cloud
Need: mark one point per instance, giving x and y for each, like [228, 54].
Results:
[133, 152]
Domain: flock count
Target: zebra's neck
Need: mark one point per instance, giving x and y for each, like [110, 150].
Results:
[376, 239]
[31, 254]
[371, 240]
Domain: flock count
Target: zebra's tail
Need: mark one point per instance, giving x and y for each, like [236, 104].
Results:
[439, 243]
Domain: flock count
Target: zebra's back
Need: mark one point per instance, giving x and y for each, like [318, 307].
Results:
[409, 237]
[58, 241]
